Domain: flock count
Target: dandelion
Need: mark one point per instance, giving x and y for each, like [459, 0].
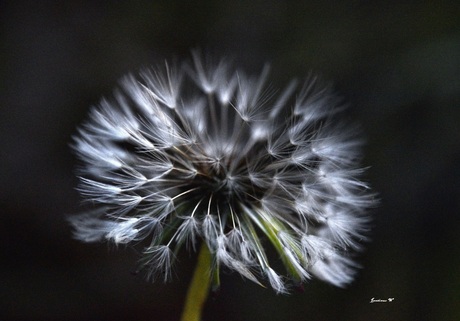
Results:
[198, 155]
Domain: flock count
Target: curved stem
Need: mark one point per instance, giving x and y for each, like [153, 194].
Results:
[199, 286]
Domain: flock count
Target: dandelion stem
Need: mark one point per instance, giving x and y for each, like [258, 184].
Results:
[199, 287]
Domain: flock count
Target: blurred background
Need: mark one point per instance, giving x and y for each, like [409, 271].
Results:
[397, 63]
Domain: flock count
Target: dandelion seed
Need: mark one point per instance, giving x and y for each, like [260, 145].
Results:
[201, 155]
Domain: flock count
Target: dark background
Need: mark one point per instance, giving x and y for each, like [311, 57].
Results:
[398, 64]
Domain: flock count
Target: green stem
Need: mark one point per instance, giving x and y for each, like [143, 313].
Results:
[199, 287]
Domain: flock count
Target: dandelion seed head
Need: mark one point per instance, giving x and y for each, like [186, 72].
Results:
[198, 154]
